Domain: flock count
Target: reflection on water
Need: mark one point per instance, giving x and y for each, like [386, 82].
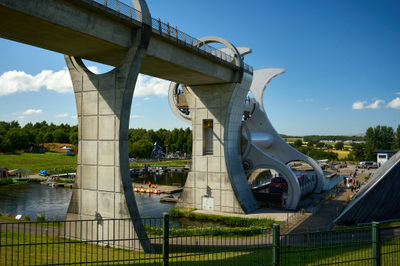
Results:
[169, 178]
[149, 205]
[31, 199]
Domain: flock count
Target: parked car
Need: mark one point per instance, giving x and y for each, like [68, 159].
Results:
[368, 165]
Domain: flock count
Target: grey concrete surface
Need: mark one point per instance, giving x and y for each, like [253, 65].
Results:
[103, 186]
[105, 37]
[218, 178]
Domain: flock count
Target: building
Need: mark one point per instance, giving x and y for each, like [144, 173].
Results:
[383, 156]
[3, 172]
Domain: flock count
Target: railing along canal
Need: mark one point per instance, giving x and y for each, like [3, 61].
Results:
[170, 32]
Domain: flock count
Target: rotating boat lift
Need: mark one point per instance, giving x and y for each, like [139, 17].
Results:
[263, 146]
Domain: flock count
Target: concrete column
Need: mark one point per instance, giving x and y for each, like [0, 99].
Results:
[103, 187]
[217, 181]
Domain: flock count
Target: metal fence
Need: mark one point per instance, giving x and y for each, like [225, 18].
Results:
[113, 241]
[170, 32]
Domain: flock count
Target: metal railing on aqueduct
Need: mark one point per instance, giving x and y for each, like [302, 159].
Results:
[170, 32]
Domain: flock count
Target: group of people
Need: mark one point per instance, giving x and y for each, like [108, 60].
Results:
[351, 183]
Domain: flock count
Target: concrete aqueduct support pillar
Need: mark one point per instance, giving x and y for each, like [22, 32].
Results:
[217, 180]
[103, 188]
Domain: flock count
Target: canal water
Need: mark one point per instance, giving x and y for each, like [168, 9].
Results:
[52, 202]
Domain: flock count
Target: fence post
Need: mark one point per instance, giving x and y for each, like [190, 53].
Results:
[166, 239]
[275, 244]
[376, 244]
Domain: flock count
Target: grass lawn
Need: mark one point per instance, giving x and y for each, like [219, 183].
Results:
[341, 154]
[22, 248]
[38, 249]
[38, 161]
[50, 160]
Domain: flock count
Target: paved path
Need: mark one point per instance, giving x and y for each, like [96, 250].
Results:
[333, 206]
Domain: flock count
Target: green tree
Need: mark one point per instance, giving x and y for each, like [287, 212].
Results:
[357, 153]
[380, 137]
[48, 137]
[320, 145]
[397, 141]
[60, 136]
[18, 138]
[73, 136]
[140, 149]
[5, 145]
[298, 143]
[339, 145]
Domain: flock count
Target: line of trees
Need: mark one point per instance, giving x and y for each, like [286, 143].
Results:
[14, 137]
[31, 137]
[317, 138]
[376, 138]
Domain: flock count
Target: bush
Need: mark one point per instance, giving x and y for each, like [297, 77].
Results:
[225, 220]
[5, 181]
[40, 218]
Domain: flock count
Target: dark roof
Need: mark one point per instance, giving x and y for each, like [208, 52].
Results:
[385, 151]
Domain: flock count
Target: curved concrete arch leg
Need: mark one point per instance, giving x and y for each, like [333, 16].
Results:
[232, 134]
[260, 159]
[103, 187]
[263, 133]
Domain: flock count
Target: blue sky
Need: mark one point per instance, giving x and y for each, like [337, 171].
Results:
[341, 58]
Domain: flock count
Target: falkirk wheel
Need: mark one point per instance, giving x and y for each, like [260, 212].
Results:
[233, 137]
[103, 195]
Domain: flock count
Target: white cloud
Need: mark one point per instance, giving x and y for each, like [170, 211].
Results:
[395, 103]
[146, 98]
[398, 93]
[94, 69]
[327, 108]
[62, 115]
[359, 105]
[14, 81]
[32, 112]
[60, 81]
[136, 116]
[146, 86]
[21, 117]
[74, 116]
[363, 105]
[19, 81]
[375, 105]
